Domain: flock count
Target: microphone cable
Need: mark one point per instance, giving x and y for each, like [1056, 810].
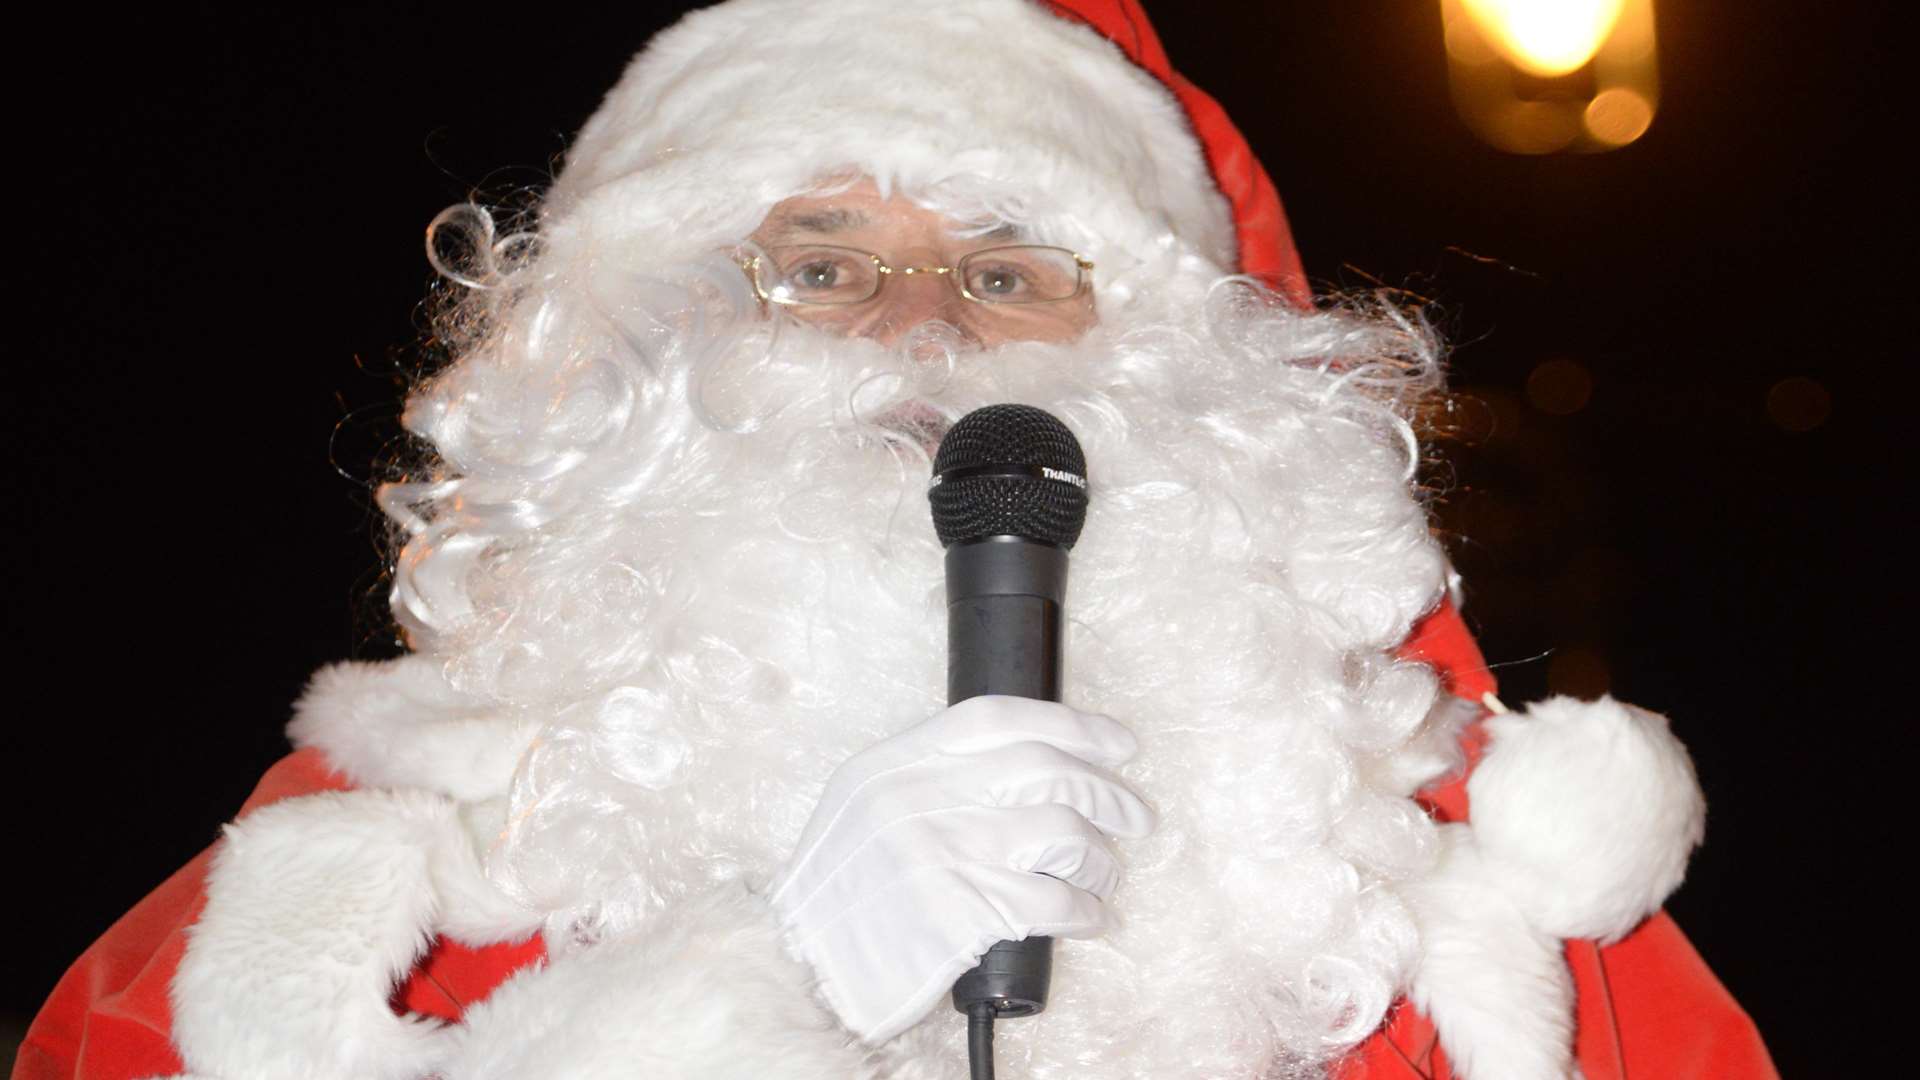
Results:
[980, 1041]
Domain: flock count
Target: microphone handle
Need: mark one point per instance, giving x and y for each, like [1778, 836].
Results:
[1003, 618]
[1003, 637]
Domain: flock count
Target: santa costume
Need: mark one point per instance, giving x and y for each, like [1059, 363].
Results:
[668, 569]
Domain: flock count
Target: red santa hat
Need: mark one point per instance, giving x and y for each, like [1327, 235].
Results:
[1265, 242]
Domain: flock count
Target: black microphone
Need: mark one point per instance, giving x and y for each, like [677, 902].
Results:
[1009, 499]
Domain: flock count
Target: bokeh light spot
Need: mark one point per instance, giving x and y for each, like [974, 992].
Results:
[1560, 387]
[1798, 404]
[1617, 116]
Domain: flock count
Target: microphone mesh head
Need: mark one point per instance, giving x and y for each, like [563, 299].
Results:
[990, 479]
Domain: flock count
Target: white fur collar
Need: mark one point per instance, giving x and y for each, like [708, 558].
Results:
[397, 724]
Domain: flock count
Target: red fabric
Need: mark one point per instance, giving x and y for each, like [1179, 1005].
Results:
[1647, 1004]
[1648, 1008]
[1266, 241]
[108, 1017]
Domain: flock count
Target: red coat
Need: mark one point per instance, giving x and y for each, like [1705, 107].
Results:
[1647, 1006]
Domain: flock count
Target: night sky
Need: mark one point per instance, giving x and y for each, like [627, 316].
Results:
[218, 234]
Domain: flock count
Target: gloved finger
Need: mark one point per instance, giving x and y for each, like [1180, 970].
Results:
[1062, 845]
[885, 962]
[990, 721]
[1030, 904]
[1041, 905]
[974, 726]
[886, 781]
[1032, 774]
[1047, 838]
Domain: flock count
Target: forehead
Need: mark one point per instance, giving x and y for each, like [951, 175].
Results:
[860, 211]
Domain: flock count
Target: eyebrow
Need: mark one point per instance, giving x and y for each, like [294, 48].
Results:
[836, 219]
[1006, 230]
[820, 221]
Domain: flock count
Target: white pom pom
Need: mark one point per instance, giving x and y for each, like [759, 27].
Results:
[1586, 813]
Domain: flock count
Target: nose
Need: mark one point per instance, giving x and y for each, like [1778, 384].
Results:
[911, 300]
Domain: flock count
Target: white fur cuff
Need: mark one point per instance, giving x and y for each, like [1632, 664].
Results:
[315, 906]
[706, 990]
[1495, 987]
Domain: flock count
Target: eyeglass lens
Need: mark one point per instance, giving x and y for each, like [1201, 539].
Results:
[824, 274]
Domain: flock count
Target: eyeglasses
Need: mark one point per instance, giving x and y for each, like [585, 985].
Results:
[821, 274]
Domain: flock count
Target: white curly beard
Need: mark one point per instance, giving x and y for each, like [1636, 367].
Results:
[694, 546]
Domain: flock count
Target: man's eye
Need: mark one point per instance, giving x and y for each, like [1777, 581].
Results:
[815, 275]
[996, 281]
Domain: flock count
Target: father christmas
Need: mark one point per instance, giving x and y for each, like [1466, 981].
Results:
[667, 785]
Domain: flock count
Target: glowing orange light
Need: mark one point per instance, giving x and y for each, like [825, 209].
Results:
[1541, 76]
[1546, 37]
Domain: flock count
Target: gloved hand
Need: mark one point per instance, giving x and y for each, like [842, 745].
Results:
[984, 823]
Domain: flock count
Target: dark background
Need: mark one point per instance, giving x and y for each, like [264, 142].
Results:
[218, 226]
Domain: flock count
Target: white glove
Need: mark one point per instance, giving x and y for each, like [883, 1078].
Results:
[984, 823]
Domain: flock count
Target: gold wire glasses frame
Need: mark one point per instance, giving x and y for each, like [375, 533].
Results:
[842, 275]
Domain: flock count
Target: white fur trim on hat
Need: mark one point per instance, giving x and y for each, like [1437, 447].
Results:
[994, 104]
